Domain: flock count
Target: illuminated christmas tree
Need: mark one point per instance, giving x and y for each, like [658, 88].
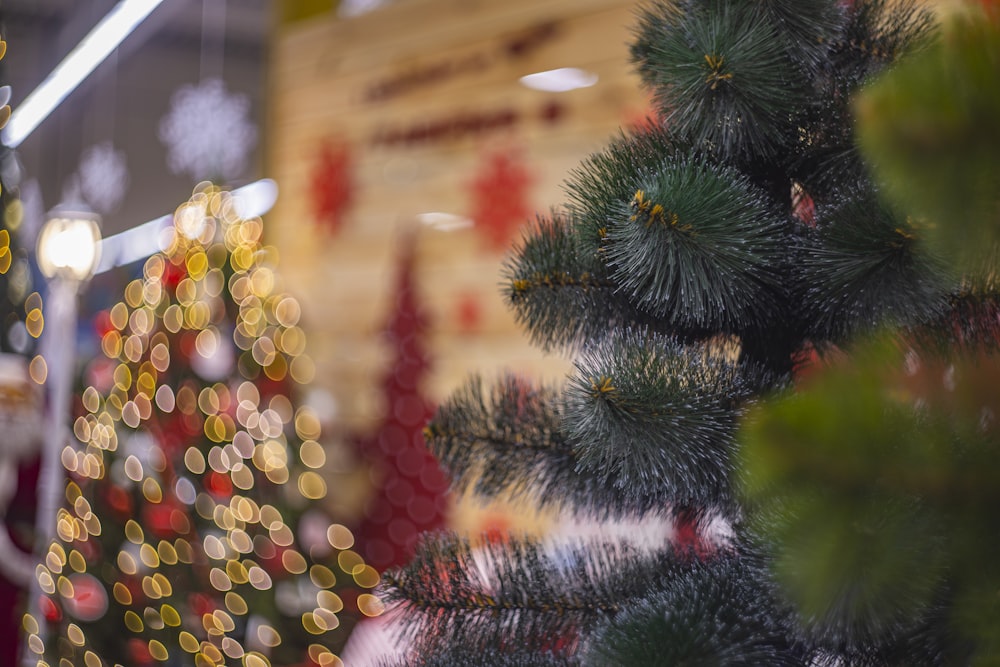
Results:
[179, 540]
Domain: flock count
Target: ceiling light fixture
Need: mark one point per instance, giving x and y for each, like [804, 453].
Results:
[75, 67]
[444, 222]
[559, 80]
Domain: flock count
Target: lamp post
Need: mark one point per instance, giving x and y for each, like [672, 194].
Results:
[67, 253]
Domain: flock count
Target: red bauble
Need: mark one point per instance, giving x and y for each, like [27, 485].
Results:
[165, 520]
[90, 599]
[803, 207]
[201, 604]
[102, 323]
[173, 274]
[139, 652]
[120, 500]
[50, 610]
[219, 485]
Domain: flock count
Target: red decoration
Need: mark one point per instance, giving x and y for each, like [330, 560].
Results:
[332, 185]
[100, 374]
[412, 497]
[173, 274]
[158, 519]
[803, 207]
[120, 501]
[89, 601]
[468, 313]
[102, 323]
[500, 197]
[495, 529]
[689, 535]
[201, 604]
[139, 652]
[50, 611]
[451, 127]
[219, 485]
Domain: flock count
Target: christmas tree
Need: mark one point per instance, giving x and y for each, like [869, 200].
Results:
[179, 540]
[410, 496]
[20, 397]
[704, 273]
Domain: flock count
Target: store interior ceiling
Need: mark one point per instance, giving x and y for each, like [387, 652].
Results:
[181, 43]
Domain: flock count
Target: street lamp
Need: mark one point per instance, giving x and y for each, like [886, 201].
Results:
[67, 253]
[68, 246]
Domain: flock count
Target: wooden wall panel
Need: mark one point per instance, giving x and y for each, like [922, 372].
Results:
[352, 81]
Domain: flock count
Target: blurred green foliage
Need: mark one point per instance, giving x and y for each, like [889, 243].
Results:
[931, 126]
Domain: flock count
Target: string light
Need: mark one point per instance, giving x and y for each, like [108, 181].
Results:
[232, 446]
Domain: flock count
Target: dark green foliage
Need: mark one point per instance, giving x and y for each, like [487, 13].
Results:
[607, 180]
[516, 594]
[933, 128]
[721, 612]
[870, 497]
[874, 33]
[867, 596]
[463, 656]
[971, 319]
[506, 440]
[698, 246]
[877, 33]
[866, 268]
[720, 74]
[889, 512]
[652, 417]
[806, 27]
[560, 295]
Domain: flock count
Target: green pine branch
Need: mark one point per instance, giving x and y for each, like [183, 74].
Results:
[514, 595]
[721, 74]
[463, 656]
[700, 247]
[866, 268]
[722, 611]
[506, 440]
[654, 418]
[563, 298]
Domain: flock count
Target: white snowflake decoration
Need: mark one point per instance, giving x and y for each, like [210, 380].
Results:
[102, 177]
[207, 132]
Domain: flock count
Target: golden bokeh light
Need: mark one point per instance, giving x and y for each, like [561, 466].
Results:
[185, 462]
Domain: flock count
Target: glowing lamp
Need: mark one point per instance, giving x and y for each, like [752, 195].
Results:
[69, 245]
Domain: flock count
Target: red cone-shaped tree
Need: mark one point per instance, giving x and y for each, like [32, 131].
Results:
[410, 498]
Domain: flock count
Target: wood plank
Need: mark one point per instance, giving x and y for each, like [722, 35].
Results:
[349, 80]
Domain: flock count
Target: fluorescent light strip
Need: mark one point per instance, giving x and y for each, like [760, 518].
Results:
[75, 67]
[144, 240]
[560, 80]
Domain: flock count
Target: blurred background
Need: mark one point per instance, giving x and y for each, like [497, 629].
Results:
[407, 142]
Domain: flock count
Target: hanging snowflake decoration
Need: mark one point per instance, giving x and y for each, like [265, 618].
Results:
[500, 197]
[332, 185]
[102, 177]
[207, 132]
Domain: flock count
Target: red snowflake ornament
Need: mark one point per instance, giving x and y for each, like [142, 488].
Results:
[500, 197]
[332, 185]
